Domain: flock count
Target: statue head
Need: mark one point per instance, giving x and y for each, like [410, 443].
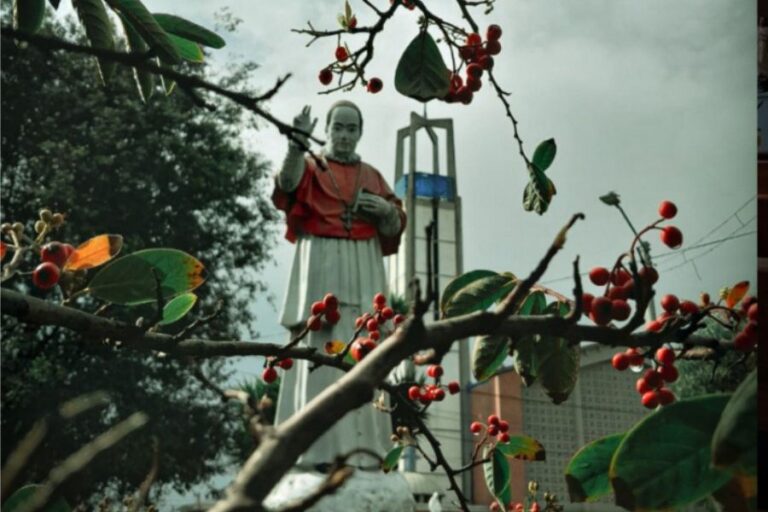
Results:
[343, 128]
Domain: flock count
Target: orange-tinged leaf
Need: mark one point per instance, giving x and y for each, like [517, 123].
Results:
[334, 347]
[96, 251]
[737, 293]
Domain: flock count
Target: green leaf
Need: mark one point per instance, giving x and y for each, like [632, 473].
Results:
[168, 85]
[392, 458]
[544, 154]
[523, 448]
[98, 29]
[558, 367]
[21, 498]
[28, 14]
[587, 472]
[460, 282]
[497, 476]
[611, 199]
[188, 50]
[539, 191]
[145, 24]
[145, 82]
[488, 355]
[178, 307]
[534, 304]
[478, 294]
[736, 432]
[421, 73]
[188, 30]
[524, 356]
[130, 280]
[664, 460]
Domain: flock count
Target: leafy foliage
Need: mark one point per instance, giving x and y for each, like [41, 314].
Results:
[421, 73]
[587, 472]
[98, 158]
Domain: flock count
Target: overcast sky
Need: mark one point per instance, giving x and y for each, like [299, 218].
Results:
[653, 99]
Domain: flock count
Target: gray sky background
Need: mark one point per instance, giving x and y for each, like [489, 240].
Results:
[651, 98]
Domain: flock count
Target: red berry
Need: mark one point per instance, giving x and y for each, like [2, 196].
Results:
[668, 373]
[318, 308]
[648, 274]
[286, 364]
[752, 312]
[493, 430]
[486, 62]
[751, 330]
[464, 95]
[341, 54]
[493, 420]
[333, 316]
[331, 302]
[667, 209]
[474, 39]
[503, 426]
[688, 307]
[467, 53]
[454, 387]
[601, 310]
[372, 325]
[438, 395]
[435, 371]
[3, 250]
[361, 347]
[315, 323]
[55, 253]
[742, 342]
[359, 321]
[493, 47]
[374, 335]
[535, 507]
[653, 326]
[586, 302]
[474, 70]
[620, 361]
[666, 396]
[475, 427]
[494, 507]
[670, 303]
[650, 399]
[387, 313]
[493, 33]
[617, 293]
[665, 356]
[620, 277]
[398, 319]
[374, 85]
[620, 309]
[325, 76]
[414, 392]
[635, 358]
[474, 84]
[503, 437]
[599, 276]
[653, 378]
[642, 386]
[379, 298]
[671, 237]
[269, 374]
[747, 301]
[46, 275]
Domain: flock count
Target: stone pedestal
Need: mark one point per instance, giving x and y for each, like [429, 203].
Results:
[364, 491]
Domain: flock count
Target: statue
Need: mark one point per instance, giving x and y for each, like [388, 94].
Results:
[343, 220]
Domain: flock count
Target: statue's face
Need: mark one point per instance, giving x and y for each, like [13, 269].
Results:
[343, 131]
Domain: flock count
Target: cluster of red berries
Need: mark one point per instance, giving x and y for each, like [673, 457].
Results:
[270, 374]
[496, 427]
[53, 255]
[328, 308]
[651, 384]
[670, 235]
[433, 392]
[478, 56]
[373, 323]
[341, 54]
[746, 339]
[514, 507]
[673, 307]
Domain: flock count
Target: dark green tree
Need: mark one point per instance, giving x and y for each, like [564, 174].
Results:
[163, 174]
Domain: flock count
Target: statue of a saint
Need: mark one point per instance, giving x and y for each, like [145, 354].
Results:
[343, 220]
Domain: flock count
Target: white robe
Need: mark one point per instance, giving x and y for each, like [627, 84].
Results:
[353, 270]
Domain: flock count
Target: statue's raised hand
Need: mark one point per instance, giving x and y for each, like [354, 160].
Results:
[304, 122]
